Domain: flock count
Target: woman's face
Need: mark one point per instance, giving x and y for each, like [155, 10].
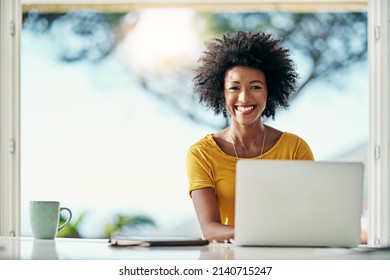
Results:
[245, 90]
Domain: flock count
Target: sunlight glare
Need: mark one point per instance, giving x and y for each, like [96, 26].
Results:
[161, 39]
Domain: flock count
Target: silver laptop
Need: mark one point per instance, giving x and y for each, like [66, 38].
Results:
[298, 203]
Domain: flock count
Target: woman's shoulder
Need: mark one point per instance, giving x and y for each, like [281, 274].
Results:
[206, 142]
[296, 144]
[204, 148]
[286, 139]
[291, 137]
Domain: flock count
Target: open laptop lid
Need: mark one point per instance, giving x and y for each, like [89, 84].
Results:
[298, 203]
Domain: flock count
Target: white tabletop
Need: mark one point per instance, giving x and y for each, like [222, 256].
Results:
[26, 248]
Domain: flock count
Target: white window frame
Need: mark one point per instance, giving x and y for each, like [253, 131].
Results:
[378, 52]
[10, 25]
[378, 163]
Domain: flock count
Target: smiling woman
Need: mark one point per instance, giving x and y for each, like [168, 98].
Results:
[249, 75]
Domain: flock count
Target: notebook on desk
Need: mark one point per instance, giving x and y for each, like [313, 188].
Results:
[298, 203]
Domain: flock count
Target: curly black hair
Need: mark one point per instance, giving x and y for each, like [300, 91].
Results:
[257, 50]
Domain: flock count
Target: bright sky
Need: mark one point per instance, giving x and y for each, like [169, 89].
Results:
[161, 37]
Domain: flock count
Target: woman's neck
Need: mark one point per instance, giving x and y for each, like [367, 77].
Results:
[248, 137]
[248, 143]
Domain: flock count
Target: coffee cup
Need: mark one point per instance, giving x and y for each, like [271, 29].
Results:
[44, 218]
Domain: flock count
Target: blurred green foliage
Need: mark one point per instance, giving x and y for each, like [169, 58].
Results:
[72, 229]
[122, 223]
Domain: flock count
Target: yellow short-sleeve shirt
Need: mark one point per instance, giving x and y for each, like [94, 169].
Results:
[209, 167]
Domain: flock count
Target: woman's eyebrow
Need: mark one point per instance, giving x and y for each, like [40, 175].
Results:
[256, 81]
[251, 82]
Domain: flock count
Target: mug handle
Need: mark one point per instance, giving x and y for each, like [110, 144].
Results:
[68, 220]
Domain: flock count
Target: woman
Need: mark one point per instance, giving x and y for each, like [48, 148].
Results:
[248, 75]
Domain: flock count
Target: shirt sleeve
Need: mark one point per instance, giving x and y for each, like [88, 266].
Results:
[303, 151]
[199, 171]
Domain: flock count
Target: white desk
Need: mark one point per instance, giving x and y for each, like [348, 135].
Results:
[26, 248]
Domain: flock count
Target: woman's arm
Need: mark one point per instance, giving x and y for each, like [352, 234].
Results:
[206, 209]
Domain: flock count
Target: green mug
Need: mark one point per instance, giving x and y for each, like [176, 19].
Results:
[44, 218]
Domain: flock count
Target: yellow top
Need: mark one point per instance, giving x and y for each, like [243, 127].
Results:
[209, 167]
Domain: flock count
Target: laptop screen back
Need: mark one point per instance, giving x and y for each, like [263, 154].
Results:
[298, 203]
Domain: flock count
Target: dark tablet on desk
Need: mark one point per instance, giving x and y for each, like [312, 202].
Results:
[146, 241]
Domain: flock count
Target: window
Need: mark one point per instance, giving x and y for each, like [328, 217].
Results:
[9, 118]
[113, 145]
[379, 195]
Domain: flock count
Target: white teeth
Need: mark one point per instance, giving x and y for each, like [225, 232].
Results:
[245, 109]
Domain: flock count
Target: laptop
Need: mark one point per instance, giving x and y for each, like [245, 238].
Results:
[298, 203]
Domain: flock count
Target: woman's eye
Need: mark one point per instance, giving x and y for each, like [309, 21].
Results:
[233, 88]
[256, 87]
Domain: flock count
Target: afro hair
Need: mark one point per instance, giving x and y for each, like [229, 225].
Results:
[257, 50]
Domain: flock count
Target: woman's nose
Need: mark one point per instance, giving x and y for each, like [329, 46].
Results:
[244, 96]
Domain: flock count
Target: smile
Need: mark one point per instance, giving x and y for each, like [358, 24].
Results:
[245, 109]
